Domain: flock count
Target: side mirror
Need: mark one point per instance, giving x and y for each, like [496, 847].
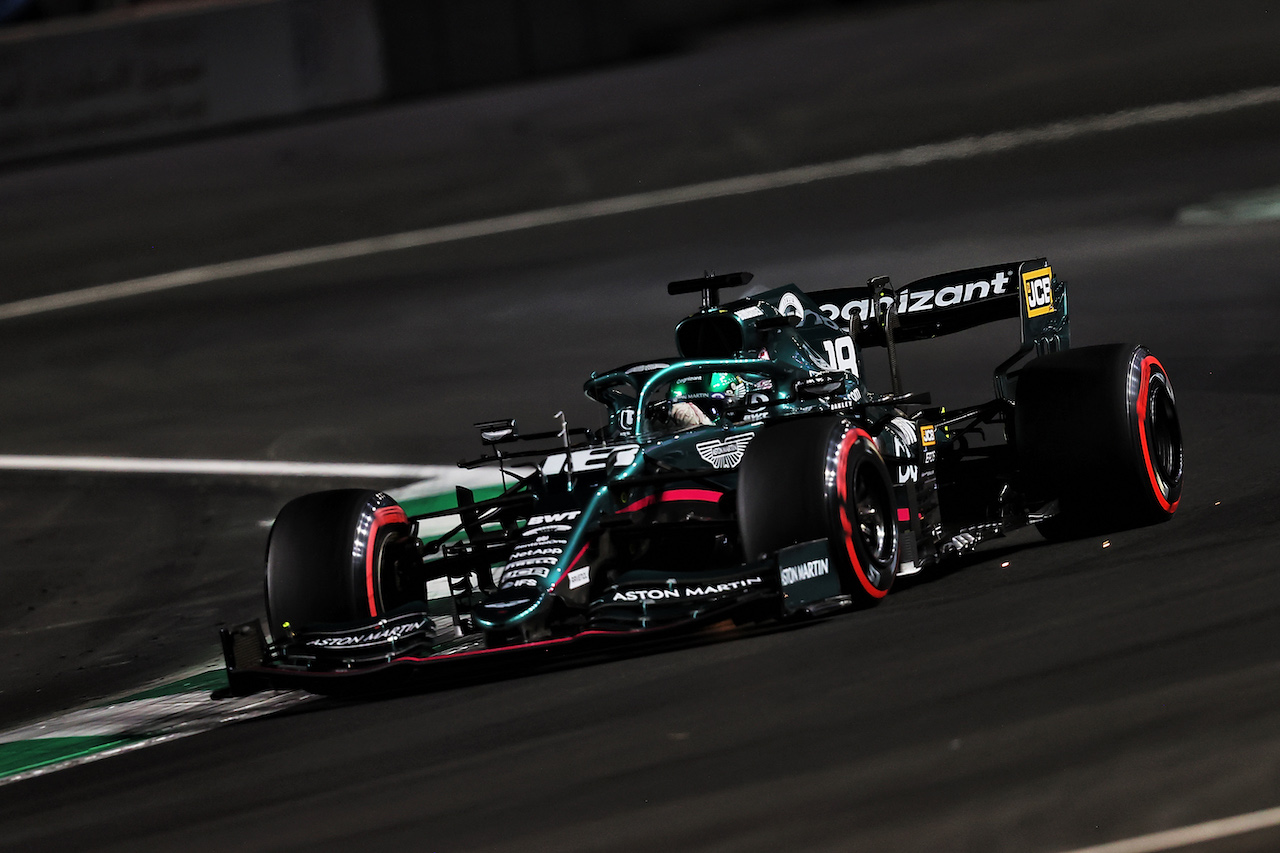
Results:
[497, 432]
[820, 385]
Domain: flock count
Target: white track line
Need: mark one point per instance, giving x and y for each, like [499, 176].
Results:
[920, 155]
[1258, 206]
[226, 467]
[1188, 835]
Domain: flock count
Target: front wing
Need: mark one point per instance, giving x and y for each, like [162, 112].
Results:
[403, 648]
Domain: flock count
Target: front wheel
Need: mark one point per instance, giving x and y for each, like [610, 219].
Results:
[335, 557]
[1097, 428]
[815, 478]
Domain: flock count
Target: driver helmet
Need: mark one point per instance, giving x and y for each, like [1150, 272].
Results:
[695, 400]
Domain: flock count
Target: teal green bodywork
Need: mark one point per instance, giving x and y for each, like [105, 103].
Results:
[777, 356]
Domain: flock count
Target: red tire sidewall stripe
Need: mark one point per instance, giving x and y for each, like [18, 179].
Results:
[842, 492]
[381, 518]
[1144, 387]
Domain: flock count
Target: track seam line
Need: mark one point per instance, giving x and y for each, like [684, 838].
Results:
[920, 155]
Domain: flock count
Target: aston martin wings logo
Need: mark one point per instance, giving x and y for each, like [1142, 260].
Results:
[725, 452]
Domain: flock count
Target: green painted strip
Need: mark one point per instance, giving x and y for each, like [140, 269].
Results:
[137, 712]
[21, 756]
[93, 733]
[446, 500]
[205, 682]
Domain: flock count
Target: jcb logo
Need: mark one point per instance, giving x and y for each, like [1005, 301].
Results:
[928, 435]
[1037, 289]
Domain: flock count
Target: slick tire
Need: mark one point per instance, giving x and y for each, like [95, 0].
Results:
[822, 477]
[325, 559]
[1097, 429]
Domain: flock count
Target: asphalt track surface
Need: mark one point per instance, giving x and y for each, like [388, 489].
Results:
[1077, 695]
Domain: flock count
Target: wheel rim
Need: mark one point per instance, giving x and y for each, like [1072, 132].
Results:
[872, 511]
[1164, 438]
[872, 507]
[864, 516]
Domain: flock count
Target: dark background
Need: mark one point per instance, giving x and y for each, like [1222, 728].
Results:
[1078, 695]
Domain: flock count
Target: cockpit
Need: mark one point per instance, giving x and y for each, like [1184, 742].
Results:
[651, 400]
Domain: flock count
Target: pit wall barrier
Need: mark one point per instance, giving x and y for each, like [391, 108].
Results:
[74, 84]
[160, 70]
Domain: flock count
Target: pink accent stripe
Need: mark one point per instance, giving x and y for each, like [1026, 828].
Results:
[705, 495]
[559, 641]
[541, 644]
[569, 567]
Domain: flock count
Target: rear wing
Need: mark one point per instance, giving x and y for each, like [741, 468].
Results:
[954, 301]
[879, 315]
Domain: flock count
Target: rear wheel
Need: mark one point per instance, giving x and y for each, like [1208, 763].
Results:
[815, 478]
[332, 558]
[1097, 428]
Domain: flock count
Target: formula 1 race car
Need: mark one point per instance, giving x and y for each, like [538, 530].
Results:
[756, 477]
